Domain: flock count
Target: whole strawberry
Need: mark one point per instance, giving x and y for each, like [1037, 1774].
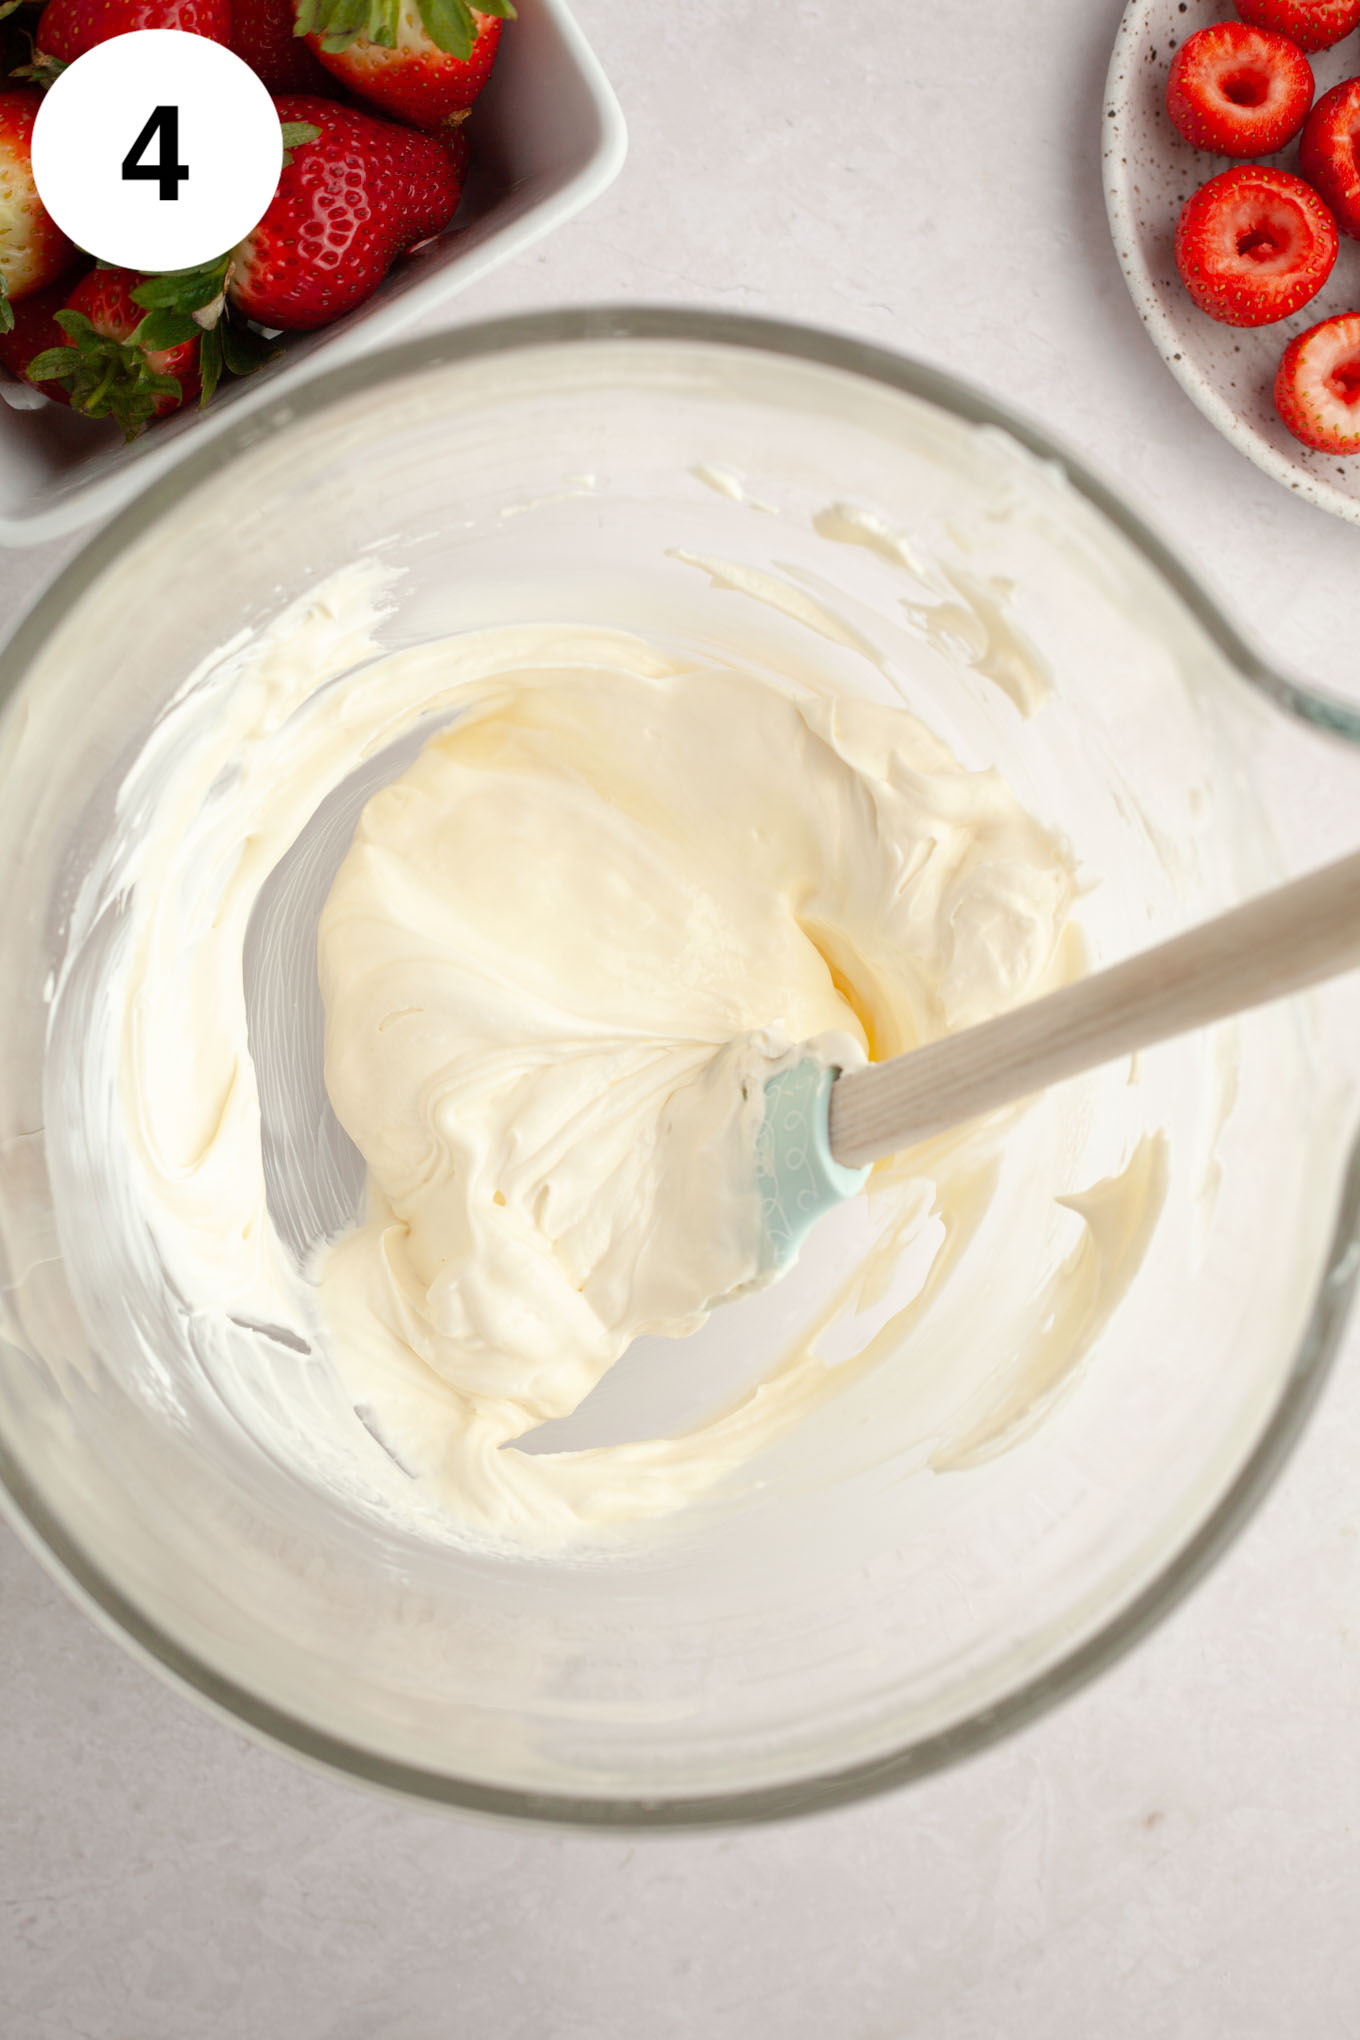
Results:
[262, 35]
[67, 28]
[107, 367]
[33, 250]
[424, 61]
[347, 204]
[33, 331]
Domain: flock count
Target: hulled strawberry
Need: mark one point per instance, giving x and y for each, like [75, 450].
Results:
[263, 36]
[33, 250]
[109, 366]
[423, 61]
[1237, 90]
[67, 28]
[1317, 388]
[347, 204]
[1329, 153]
[1254, 244]
[1312, 24]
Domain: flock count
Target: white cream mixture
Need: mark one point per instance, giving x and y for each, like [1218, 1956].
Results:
[566, 946]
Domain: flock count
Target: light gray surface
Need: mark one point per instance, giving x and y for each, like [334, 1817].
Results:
[1177, 1852]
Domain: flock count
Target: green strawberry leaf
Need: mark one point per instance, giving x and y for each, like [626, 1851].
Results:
[244, 351]
[340, 22]
[75, 326]
[104, 378]
[187, 304]
[360, 21]
[165, 328]
[296, 134]
[450, 24]
[210, 362]
[52, 364]
[184, 290]
[6, 308]
[229, 349]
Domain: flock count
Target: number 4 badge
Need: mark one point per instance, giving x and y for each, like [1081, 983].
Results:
[168, 171]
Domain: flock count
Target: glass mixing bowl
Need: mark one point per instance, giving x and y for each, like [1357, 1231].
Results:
[854, 1608]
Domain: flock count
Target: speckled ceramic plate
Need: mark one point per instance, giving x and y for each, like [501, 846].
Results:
[1149, 173]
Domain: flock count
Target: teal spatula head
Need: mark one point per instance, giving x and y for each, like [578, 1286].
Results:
[798, 1178]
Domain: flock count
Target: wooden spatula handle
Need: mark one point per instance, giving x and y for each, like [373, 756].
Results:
[1279, 943]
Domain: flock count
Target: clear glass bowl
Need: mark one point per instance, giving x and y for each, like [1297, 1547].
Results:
[845, 1615]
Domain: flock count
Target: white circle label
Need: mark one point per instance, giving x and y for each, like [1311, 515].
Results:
[157, 150]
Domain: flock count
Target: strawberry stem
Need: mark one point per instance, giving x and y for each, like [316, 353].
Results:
[98, 397]
[451, 25]
[43, 70]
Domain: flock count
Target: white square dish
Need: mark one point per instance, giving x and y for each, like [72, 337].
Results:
[547, 135]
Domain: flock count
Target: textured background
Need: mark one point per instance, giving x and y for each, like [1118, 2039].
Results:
[1176, 1853]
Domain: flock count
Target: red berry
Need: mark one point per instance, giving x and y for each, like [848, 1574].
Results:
[1239, 91]
[101, 366]
[67, 28]
[105, 297]
[422, 61]
[1317, 388]
[1328, 152]
[1312, 24]
[1254, 244]
[262, 35]
[345, 208]
[33, 249]
[35, 329]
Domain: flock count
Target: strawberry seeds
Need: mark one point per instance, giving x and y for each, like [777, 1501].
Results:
[361, 183]
[1255, 244]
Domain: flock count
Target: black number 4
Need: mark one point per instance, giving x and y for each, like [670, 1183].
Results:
[169, 172]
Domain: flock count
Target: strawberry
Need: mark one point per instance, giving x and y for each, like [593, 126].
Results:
[455, 140]
[106, 368]
[348, 203]
[1254, 244]
[1312, 24]
[67, 28]
[1317, 387]
[34, 330]
[262, 35]
[1239, 91]
[423, 61]
[1328, 153]
[33, 250]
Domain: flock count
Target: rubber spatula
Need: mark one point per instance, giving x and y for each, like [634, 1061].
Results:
[821, 1130]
